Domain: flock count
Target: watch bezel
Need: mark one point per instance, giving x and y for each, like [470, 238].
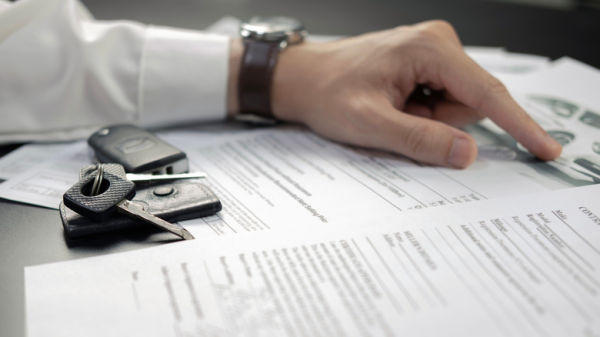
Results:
[257, 28]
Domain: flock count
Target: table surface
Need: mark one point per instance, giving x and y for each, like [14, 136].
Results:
[32, 235]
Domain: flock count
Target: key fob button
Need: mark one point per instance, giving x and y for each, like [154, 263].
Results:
[163, 191]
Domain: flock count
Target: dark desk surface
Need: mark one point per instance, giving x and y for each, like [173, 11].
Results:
[31, 235]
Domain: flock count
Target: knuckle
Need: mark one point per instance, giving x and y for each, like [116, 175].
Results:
[427, 33]
[439, 30]
[492, 90]
[423, 42]
[495, 88]
[441, 25]
[430, 37]
[400, 29]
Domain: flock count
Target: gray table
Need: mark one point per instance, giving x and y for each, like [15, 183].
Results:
[31, 235]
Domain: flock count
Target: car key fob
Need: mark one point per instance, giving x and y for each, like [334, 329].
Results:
[138, 150]
[177, 201]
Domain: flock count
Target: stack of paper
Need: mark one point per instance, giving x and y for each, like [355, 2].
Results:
[320, 239]
[512, 267]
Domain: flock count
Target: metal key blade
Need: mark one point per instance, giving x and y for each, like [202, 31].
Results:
[164, 177]
[133, 210]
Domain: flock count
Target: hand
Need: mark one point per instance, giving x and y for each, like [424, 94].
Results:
[357, 91]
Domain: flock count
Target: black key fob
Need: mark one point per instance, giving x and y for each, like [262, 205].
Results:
[178, 201]
[138, 150]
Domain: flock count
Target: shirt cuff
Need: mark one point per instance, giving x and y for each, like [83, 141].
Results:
[183, 77]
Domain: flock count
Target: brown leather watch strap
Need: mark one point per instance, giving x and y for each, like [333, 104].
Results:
[256, 72]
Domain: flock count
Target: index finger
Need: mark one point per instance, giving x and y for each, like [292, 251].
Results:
[473, 86]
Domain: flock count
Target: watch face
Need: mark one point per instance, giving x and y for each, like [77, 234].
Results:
[273, 29]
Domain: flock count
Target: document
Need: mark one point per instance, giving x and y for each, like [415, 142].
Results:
[264, 178]
[561, 100]
[501, 62]
[522, 266]
[39, 174]
[40, 178]
[567, 78]
[292, 167]
[27, 156]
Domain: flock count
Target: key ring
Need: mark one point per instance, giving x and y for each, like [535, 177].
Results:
[98, 180]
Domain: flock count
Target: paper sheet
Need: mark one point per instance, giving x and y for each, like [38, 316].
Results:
[264, 178]
[316, 163]
[561, 101]
[39, 174]
[566, 78]
[43, 178]
[500, 62]
[28, 156]
[338, 241]
[526, 266]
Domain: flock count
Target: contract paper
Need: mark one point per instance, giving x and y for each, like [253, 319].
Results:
[26, 157]
[527, 266]
[250, 170]
[39, 174]
[40, 178]
[563, 102]
[264, 178]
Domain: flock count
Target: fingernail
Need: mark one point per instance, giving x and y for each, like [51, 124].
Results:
[460, 153]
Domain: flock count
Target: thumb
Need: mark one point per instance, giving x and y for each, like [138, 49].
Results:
[424, 139]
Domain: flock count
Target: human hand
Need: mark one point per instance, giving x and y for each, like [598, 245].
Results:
[357, 91]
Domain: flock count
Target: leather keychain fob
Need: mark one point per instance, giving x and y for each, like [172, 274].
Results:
[177, 201]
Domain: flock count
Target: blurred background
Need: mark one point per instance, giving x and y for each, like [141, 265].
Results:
[562, 4]
[551, 28]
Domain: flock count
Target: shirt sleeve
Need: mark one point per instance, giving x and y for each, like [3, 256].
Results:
[64, 74]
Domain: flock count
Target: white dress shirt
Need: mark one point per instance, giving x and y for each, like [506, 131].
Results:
[64, 74]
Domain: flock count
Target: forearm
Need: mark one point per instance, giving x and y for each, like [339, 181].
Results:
[63, 73]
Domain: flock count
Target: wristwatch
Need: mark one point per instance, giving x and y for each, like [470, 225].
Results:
[264, 38]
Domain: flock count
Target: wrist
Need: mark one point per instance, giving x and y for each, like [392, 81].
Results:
[293, 80]
[288, 93]
[236, 50]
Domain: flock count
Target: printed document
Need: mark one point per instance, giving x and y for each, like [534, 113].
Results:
[527, 266]
[563, 101]
[264, 178]
[262, 164]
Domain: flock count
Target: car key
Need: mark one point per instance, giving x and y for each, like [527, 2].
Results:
[138, 150]
[135, 177]
[174, 201]
[114, 193]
